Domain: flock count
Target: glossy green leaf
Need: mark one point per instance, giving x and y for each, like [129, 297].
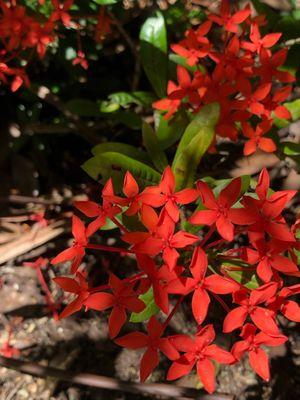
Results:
[170, 131]
[246, 278]
[294, 109]
[150, 309]
[114, 165]
[195, 141]
[291, 148]
[178, 60]
[122, 148]
[106, 2]
[153, 37]
[139, 98]
[220, 184]
[153, 148]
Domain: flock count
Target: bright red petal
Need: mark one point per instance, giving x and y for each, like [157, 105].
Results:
[200, 303]
[260, 363]
[100, 301]
[234, 319]
[204, 217]
[206, 373]
[134, 340]
[130, 187]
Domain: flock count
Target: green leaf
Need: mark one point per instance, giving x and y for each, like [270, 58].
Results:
[290, 148]
[153, 37]
[139, 98]
[195, 141]
[220, 184]
[170, 131]
[178, 60]
[106, 2]
[150, 309]
[152, 146]
[246, 278]
[83, 108]
[128, 118]
[122, 148]
[294, 109]
[289, 26]
[114, 165]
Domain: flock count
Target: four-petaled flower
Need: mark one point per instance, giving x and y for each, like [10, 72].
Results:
[199, 352]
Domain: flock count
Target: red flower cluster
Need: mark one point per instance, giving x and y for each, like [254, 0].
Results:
[182, 266]
[242, 75]
[22, 32]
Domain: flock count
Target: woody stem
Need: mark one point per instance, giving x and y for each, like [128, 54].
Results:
[170, 316]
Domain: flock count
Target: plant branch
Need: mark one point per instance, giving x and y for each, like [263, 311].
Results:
[103, 382]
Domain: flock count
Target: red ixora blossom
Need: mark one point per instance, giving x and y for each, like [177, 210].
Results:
[121, 299]
[266, 211]
[219, 211]
[256, 138]
[78, 287]
[200, 352]
[76, 252]
[177, 266]
[201, 285]
[154, 342]
[262, 317]
[251, 344]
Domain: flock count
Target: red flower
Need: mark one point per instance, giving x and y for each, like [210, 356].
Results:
[249, 305]
[252, 343]
[61, 11]
[256, 139]
[272, 103]
[253, 101]
[164, 281]
[266, 211]
[228, 21]
[166, 241]
[195, 45]
[134, 200]
[198, 352]
[267, 257]
[187, 87]
[78, 287]
[81, 60]
[94, 210]
[153, 342]
[289, 308]
[201, 284]
[171, 199]
[76, 252]
[123, 298]
[219, 210]
[270, 64]
[169, 105]
[257, 42]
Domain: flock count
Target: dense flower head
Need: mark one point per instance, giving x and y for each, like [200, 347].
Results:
[23, 32]
[195, 246]
[240, 71]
